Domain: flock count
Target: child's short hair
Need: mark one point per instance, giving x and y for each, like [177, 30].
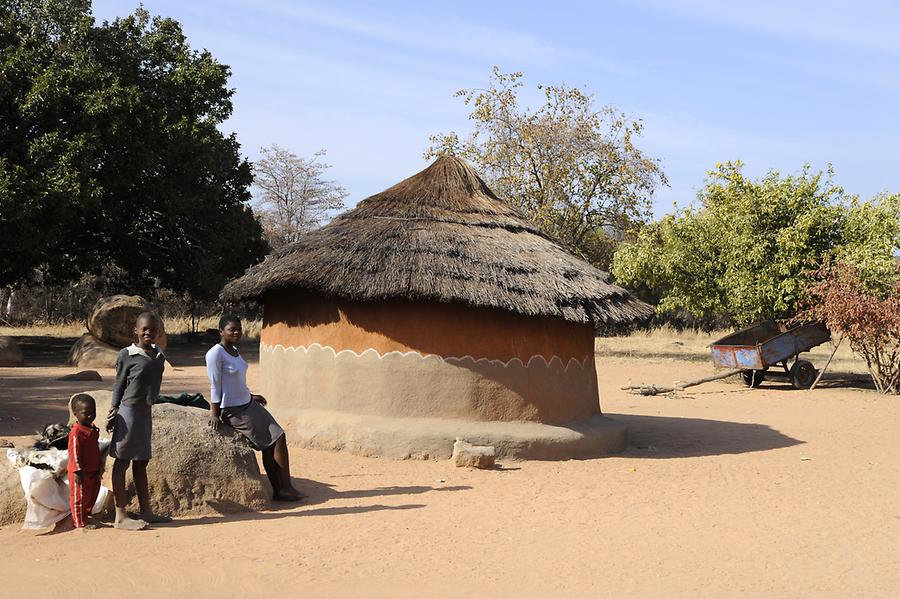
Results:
[149, 316]
[81, 399]
[227, 319]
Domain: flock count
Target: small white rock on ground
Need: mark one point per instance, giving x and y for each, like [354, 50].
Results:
[473, 456]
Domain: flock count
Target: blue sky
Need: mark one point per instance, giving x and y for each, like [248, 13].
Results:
[775, 84]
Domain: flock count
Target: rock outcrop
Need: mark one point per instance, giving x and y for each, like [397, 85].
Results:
[12, 498]
[112, 319]
[10, 354]
[90, 352]
[110, 328]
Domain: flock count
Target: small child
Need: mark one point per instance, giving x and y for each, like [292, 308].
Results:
[84, 460]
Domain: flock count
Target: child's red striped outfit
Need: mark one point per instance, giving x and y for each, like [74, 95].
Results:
[84, 457]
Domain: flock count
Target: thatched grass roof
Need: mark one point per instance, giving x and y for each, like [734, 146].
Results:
[442, 235]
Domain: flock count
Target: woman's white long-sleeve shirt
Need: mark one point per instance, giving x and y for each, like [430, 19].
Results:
[227, 378]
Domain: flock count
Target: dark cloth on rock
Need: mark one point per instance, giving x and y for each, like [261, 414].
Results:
[53, 435]
[189, 400]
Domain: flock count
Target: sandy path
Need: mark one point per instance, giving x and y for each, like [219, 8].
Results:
[728, 492]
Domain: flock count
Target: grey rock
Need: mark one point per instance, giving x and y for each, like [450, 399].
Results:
[473, 456]
[90, 351]
[112, 319]
[10, 354]
[12, 498]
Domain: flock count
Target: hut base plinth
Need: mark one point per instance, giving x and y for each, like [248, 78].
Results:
[433, 438]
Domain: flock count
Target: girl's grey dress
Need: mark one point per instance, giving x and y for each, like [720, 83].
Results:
[138, 378]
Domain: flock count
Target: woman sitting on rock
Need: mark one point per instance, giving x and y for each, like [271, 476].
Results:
[231, 402]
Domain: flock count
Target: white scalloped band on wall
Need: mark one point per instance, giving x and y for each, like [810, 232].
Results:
[450, 359]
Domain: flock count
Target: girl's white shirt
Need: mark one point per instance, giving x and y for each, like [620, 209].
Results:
[227, 378]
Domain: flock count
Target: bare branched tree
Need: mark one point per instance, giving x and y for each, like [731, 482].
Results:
[293, 197]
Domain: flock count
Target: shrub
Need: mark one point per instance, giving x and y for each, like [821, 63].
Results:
[867, 314]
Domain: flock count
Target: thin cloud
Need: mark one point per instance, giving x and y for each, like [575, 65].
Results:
[447, 36]
[863, 24]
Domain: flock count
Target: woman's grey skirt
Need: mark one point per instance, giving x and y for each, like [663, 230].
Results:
[132, 432]
[254, 422]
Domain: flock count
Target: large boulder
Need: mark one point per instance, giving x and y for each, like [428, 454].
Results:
[12, 498]
[90, 352]
[194, 469]
[10, 354]
[112, 319]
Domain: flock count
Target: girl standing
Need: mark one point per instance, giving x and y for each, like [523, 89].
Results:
[139, 370]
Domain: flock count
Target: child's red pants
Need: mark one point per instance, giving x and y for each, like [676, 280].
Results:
[82, 496]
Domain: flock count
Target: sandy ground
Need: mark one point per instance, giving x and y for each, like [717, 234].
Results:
[725, 492]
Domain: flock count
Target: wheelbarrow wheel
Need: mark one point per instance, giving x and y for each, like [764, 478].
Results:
[753, 378]
[803, 374]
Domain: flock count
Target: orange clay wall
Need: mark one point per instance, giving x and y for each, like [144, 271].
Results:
[420, 359]
[428, 328]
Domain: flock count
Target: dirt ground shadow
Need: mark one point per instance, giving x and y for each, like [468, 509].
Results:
[28, 403]
[829, 380]
[45, 351]
[661, 437]
[318, 493]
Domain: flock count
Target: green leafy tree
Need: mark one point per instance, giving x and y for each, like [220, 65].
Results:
[572, 168]
[871, 238]
[110, 153]
[747, 251]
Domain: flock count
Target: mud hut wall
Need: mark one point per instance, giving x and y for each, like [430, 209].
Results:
[419, 359]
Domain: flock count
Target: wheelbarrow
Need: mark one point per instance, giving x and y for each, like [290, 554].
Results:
[758, 348]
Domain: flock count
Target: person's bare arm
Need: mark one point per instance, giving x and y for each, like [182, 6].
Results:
[214, 413]
[214, 371]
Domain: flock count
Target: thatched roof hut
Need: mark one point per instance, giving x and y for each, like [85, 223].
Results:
[434, 305]
[442, 235]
